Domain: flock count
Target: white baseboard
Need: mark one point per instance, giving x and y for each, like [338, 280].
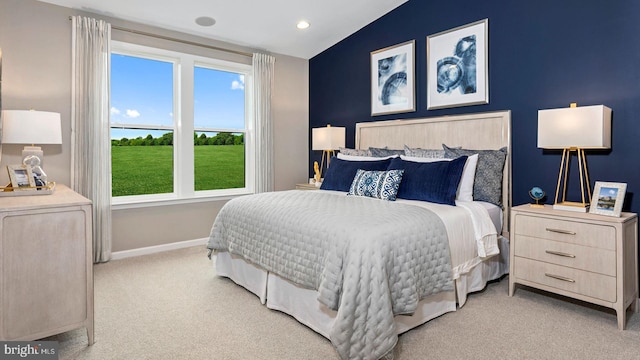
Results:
[158, 248]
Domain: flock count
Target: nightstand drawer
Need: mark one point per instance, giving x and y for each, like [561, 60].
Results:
[576, 281]
[567, 254]
[594, 235]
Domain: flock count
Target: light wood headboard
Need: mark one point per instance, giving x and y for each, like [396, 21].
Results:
[471, 131]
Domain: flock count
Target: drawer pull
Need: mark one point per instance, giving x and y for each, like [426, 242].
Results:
[559, 277]
[559, 253]
[560, 231]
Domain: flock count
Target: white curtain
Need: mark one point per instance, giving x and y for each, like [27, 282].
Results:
[263, 72]
[91, 146]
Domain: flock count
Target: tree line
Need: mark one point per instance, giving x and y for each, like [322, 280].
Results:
[221, 138]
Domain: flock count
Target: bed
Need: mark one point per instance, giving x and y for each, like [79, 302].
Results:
[389, 271]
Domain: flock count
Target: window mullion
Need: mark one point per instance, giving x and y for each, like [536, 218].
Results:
[184, 165]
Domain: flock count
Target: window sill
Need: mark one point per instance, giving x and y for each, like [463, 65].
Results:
[171, 199]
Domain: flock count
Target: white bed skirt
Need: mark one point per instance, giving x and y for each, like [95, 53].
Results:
[282, 295]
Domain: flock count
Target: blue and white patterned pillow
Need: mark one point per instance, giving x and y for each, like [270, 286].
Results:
[487, 185]
[425, 153]
[376, 184]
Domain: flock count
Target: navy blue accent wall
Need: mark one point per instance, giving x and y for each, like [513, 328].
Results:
[542, 54]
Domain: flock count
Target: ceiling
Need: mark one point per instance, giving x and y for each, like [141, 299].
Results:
[261, 24]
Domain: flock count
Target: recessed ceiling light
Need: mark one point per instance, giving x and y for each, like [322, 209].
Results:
[302, 25]
[205, 21]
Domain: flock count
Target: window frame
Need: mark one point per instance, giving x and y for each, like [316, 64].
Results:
[183, 127]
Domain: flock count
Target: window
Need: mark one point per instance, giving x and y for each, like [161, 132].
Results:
[180, 126]
[219, 120]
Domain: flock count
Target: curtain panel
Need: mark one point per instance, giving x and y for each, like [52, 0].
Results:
[91, 146]
[263, 74]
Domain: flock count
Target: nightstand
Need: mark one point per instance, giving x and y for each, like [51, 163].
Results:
[307, 187]
[589, 257]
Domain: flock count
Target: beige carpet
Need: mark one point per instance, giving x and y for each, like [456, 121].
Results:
[172, 306]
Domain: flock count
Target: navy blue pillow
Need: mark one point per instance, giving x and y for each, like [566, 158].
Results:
[435, 182]
[340, 173]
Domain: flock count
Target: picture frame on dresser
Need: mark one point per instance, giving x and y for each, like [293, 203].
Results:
[21, 177]
[608, 198]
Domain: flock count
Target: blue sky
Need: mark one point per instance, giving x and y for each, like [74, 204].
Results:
[142, 93]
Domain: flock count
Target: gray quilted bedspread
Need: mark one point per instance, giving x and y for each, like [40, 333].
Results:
[368, 259]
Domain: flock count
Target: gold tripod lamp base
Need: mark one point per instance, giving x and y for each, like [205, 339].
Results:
[582, 206]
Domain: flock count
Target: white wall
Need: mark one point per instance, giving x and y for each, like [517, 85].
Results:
[35, 39]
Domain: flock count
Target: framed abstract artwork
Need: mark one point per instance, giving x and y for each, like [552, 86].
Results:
[393, 79]
[457, 66]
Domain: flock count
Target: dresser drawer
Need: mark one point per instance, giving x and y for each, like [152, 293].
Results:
[568, 279]
[567, 254]
[580, 233]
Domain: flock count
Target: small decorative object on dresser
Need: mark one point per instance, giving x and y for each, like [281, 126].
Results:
[537, 194]
[584, 256]
[608, 198]
[317, 177]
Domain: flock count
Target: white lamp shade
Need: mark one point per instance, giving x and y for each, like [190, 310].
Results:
[585, 127]
[31, 127]
[327, 138]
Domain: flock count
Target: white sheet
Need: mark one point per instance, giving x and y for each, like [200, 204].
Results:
[302, 303]
[472, 236]
[495, 213]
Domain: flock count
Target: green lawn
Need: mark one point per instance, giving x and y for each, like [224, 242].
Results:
[138, 170]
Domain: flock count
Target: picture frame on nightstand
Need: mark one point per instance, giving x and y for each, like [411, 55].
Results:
[21, 177]
[608, 198]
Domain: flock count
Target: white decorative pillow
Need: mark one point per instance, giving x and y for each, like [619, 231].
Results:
[376, 184]
[465, 188]
[363, 158]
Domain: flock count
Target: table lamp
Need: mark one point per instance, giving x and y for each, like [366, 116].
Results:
[573, 130]
[328, 139]
[32, 127]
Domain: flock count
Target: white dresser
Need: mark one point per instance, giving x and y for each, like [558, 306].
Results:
[589, 257]
[46, 266]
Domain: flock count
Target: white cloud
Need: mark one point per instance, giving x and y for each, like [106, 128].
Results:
[132, 113]
[238, 84]
[115, 111]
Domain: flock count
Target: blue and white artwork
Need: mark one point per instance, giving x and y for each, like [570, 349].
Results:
[458, 72]
[392, 79]
[457, 67]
